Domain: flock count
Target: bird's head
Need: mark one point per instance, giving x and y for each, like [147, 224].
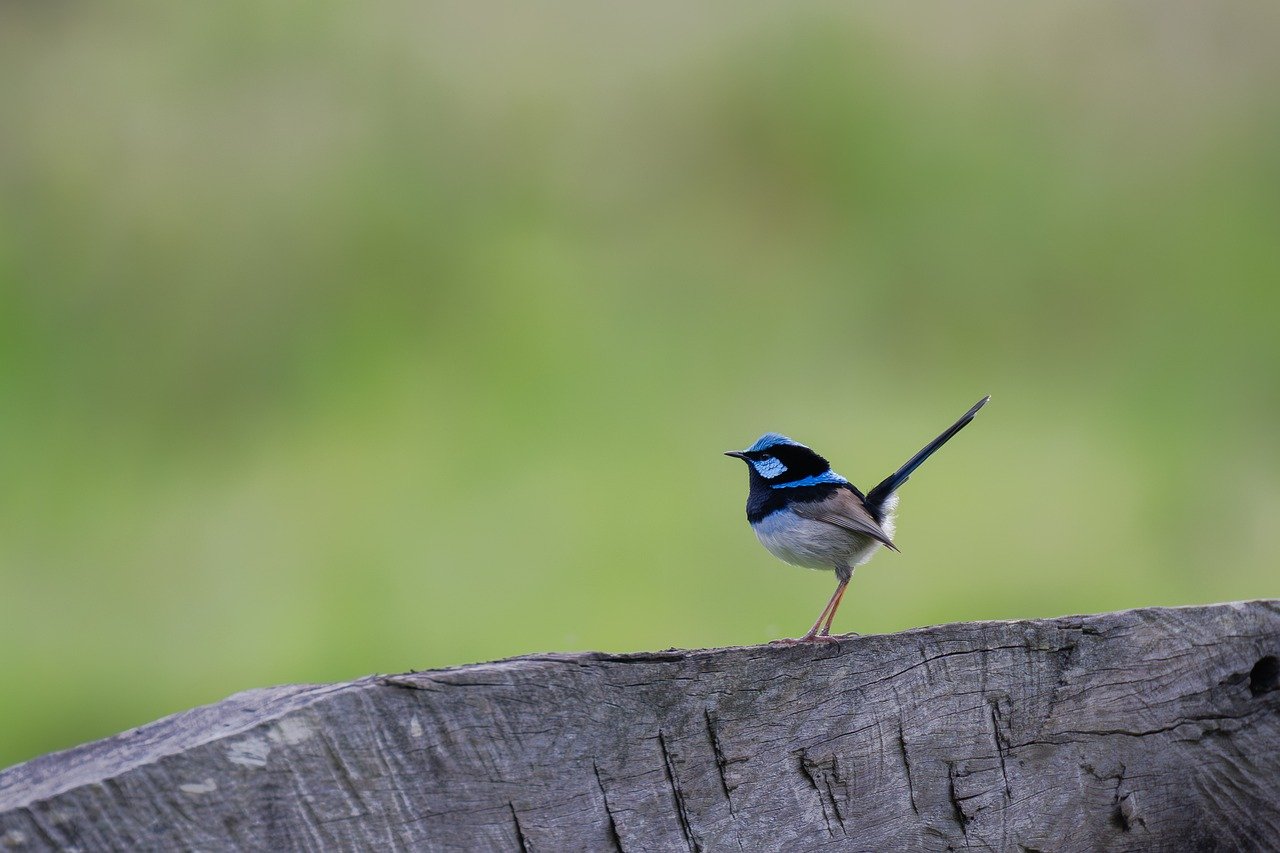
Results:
[777, 460]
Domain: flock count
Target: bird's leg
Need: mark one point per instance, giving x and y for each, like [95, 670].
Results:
[821, 630]
[826, 615]
[813, 636]
[832, 607]
[844, 573]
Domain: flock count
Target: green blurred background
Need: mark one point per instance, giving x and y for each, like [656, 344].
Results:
[347, 338]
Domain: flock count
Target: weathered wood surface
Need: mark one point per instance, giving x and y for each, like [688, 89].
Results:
[1143, 730]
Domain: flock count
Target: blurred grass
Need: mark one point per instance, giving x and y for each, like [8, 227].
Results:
[343, 339]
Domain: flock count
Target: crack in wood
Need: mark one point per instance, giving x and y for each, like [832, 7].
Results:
[608, 810]
[961, 817]
[1127, 813]
[1124, 813]
[823, 776]
[927, 659]
[813, 782]
[673, 782]
[721, 762]
[1002, 744]
[1247, 718]
[525, 846]
[906, 766]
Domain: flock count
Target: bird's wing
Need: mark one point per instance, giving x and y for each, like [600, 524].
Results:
[844, 509]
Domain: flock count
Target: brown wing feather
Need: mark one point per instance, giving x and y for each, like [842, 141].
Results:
[845, 509]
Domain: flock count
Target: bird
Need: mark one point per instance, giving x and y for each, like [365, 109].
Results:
[808, 515]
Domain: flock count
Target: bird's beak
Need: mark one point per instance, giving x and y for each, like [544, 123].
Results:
[735, 453]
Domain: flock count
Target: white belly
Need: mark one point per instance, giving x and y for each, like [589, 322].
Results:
[813, 544]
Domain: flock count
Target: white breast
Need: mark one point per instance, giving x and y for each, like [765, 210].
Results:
[812, 544]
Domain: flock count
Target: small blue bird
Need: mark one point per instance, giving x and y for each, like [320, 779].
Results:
[808, 515]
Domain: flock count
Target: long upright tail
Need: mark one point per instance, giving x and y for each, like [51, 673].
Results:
[881, 493]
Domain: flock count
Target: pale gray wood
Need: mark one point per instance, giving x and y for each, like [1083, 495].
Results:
[1144, 730]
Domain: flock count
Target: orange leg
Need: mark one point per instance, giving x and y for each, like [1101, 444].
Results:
[828, 613]
[835, 604]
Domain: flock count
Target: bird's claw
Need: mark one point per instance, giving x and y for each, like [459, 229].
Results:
[807, 638]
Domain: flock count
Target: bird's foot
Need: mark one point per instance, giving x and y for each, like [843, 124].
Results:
[807, 638]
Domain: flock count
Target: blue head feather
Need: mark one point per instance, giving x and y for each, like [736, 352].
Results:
[771, 439]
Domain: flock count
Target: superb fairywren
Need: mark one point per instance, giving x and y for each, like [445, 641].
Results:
[808, 515]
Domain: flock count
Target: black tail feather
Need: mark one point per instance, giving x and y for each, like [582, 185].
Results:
[881, 493]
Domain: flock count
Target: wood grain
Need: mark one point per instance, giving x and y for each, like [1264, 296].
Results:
[1153, 729]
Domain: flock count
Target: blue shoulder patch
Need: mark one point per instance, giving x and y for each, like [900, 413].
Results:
[825, 478]
[770, 439]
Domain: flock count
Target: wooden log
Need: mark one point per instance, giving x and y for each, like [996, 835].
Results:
[1152, 729]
